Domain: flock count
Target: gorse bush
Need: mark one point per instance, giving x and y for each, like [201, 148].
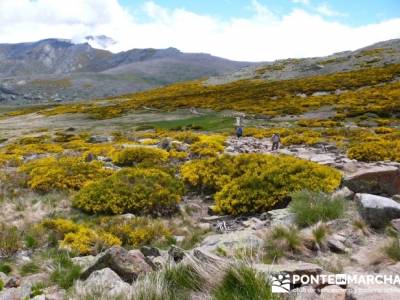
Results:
[137, 231]
[65, 173]
[212, 145]
[135, 190]
[312, 207]
[376, 151]
[251, 183]
[79, 238]
[143, 156]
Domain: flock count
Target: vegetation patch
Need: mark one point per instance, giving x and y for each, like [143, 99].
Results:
[253, 183]
[135, 190]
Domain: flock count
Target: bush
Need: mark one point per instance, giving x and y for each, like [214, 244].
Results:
[253, 183]
[139, 191]
[375, 151]
[137, 231]
[143, 156]
[312, 207]
[65, 173]
[79, 238]
[208, 146]
[5, 268]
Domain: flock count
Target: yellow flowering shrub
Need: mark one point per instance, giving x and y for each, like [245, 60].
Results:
[65, 173]
[250, 183]
[12, 160]
[318, 123]
[177, 155]
[375, 151]
[208, 145]
[80, 238]
[305, 137]
[137, 231]
[133, 190]
[28, 149]
[144, 156]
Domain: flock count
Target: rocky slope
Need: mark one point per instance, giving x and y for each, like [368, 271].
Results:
[55, 69]
[377, 55]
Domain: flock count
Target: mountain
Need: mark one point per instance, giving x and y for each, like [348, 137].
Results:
[377, 55]
[57, 69]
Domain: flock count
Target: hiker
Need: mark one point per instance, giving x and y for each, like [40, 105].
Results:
[239, 131]
[276, 139]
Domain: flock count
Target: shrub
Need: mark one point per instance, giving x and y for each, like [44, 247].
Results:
[252, 183]
[312, 207]
[208, 146]
[242, 283]
[139, 191]
[137, 231]
[65, 173]
[1, 285]
[79, 238]
[88, 241]
[375, 151]
[144, 156]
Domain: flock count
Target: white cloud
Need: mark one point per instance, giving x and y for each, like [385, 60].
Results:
[326, 10]
[304, 2]
[263, 36]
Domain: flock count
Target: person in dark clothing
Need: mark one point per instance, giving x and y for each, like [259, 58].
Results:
[276, 140]
[239, 131]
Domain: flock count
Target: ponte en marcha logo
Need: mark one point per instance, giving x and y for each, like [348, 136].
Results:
[285, 282]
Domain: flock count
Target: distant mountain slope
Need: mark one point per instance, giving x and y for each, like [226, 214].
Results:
[56, 69]
[377, 55]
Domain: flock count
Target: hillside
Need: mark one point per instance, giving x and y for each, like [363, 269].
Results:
[59, 70]
[150, 195]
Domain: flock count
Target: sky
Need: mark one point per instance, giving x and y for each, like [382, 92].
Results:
[246, 30]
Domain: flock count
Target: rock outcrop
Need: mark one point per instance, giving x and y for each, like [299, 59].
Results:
[376, 210]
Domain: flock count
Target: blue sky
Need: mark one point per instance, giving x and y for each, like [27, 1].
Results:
[246, 30]
[351, 12]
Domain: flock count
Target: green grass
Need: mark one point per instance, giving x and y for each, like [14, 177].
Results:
[65, 272]
[209, 122]
[244, 283]
[5, 268]
[392, 249]
[29, 268]
[311, 207]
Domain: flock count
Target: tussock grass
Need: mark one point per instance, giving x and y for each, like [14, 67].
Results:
[312, 207]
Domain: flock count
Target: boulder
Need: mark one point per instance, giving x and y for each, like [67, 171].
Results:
[84, 261]
[110, 285]
[396, 198]
[16, 293]
[100, 139]
[291, 268]
[376, 210]
[231, 241]
[128, 265]
[176, 253]
[345, 193]
[383, 180]
[207, 257]
[150, 251]
[281, 216]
